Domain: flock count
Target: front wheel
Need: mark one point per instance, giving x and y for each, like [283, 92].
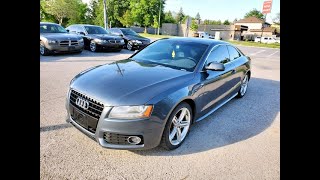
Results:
[244, 85]
[177, 127]
[43, 50]
[93, 46]
[129, 46]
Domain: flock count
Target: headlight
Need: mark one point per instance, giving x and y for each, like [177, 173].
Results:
[137, 41]
[131, 112]
[99, 40]
[52, 41]
[80, 40]
[121, 41]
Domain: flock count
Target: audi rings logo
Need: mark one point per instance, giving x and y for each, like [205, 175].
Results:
[82, 103]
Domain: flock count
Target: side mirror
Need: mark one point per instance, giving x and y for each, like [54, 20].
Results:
[214, 66]
[67, 30]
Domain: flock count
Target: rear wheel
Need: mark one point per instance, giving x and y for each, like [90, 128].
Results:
[244, 85]
[177, 127]
[43, 50]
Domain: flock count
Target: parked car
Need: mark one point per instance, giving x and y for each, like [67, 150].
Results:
[267, 40]
[55, 39]
[203, 34]
[156, 94]
[97, 38]
[132, 39]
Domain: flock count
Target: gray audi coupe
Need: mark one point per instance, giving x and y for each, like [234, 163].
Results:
[153, 97]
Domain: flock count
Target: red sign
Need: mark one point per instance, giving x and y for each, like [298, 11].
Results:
[266, 7]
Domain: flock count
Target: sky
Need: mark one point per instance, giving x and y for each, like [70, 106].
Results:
[219, 9]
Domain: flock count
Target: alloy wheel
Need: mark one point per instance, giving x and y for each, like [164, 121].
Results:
[244, 85]
[179, 126]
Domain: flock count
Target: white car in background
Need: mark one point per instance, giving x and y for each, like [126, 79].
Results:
[203, 34]
[267, 40]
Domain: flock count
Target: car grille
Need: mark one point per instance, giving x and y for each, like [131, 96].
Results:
[66, 43]
[119, 139]
[114, 41]
[95, 107]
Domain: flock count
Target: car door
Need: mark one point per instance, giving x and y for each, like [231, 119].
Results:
[217, 84]
[239, 61]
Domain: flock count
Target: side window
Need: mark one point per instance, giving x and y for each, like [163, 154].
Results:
[79, 29]
[220, 54]
[234, 54]
[72, 29]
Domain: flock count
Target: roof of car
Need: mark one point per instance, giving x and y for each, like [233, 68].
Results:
[47, 23]
[199, 40]
[84, 25]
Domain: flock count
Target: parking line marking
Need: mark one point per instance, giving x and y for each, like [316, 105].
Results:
[257, 52]
[272, 54]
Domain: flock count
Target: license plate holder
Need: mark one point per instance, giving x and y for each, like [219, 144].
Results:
[80, 118]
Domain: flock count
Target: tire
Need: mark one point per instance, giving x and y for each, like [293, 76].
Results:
[129, 46]
[170, 139]
[93, 46]
[43, 50]
[243, 87]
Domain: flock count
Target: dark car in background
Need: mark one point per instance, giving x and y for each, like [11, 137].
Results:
[55, 39]
[133, 41]
[97, 38]
[154, 96]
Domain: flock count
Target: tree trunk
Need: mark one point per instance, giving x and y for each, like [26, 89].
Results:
[145, 29]
[60, 21]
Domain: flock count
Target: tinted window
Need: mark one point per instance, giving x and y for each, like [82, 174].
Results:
[220, 55]
[172, 53]
[234, 54]
[128, 32]
[51, 28]
[95, 30]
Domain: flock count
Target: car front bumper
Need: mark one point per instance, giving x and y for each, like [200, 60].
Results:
[57, 48]
[149, 129]
[110, 46]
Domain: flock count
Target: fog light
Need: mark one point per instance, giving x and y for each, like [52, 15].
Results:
[134, 140]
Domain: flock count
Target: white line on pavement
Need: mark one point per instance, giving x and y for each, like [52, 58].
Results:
[272, 54]
[257, 52]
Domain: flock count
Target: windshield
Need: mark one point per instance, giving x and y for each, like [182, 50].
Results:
[51, 28]
[128, 32]
[172, 53]
[95, 30]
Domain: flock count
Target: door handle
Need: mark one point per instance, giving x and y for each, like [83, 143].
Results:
[233, 71]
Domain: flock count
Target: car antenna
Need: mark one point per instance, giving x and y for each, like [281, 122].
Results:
[119, 70]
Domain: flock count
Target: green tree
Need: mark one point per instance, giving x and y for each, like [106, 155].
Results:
[254, 13]
[276, 20]
[219, 22]
[184, 19]
[44, 15]
[144, 11]
[126, 20]
[81, 15]
[61, 9]
[180, 16]
[168, 18]
[194, 26]
[226, 22]
[116, 10]
[198, 16]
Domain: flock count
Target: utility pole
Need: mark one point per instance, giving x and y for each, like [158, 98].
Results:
[105, 14]
[264, 21]
[159, 17]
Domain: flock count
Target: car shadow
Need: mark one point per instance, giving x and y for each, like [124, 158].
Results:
[83, 54]
[236, 121]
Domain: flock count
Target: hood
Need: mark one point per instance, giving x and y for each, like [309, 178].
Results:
[105, 36]
[136, 37]
[128, 82]
[60, 36]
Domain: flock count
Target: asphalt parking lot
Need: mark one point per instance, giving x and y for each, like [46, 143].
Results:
[239, 141]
